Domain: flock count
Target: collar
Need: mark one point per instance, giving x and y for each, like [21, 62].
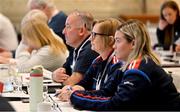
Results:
[83, 43]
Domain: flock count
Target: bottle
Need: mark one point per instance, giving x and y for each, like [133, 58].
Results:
[5, 80]
[36, 87]
[1, 87]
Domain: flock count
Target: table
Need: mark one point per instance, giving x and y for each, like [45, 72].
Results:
[175, 73]
[52, 86]
[19, 106]
[24, 107]
[168, 59]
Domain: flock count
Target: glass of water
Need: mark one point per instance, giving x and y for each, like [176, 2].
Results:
[45, 92]
[176, 56]
[17, 83]
[159, 51]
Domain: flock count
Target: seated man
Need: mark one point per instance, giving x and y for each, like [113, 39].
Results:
[77, 31]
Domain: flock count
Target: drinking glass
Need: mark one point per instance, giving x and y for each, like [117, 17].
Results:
[45, 92]
[176, 56]
[17, 83]
[5, 78]
[159, 51]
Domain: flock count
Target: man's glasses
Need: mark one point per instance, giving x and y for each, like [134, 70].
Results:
[93, 34]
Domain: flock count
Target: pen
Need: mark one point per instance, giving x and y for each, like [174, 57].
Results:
[55, 104]
[56, 94]
[171, 60]
[69, 88]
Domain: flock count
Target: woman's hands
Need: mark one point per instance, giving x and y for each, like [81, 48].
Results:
[66, 91]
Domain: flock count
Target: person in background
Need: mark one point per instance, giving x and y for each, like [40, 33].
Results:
[5, 55]
[140, 84]
[77, 32]
[56, 21]
[39, 45]
[97, 74]
[168, 30]
[37, 14]
[56, 18]
[8, 39]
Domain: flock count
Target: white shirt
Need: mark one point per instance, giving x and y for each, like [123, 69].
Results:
[8, 36]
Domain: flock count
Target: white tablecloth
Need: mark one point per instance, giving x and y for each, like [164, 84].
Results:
[24, 107]
[19, 106]
[175, 72]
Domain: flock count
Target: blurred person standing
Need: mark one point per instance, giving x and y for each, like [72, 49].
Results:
[56, 18]
[168, 30]
[77, 32]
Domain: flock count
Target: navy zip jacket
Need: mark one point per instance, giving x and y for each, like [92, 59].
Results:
[143, 86]
[98, 72]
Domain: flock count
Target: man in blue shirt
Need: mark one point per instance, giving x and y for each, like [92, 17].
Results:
[77, 31]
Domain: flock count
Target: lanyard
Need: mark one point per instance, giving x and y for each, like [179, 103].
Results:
[100, 76]
[76, 56]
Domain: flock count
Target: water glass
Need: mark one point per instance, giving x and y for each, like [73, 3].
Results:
[16, 77]
[176, 56]
[159, 51]
[45, 92]
[17, 83]
[5, 77]
[13, 70]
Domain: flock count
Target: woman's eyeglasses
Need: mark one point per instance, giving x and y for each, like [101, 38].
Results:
[93, 34]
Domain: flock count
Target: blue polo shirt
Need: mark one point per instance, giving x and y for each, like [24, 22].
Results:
[83, 57]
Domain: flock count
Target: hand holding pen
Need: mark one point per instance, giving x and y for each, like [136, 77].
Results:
[64, 93]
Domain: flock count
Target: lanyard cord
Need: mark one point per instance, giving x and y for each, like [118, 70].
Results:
[76, 56]
[100, 76]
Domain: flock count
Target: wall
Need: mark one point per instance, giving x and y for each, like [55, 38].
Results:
[16, 9]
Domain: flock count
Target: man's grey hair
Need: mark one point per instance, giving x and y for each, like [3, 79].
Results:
[86, 17]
